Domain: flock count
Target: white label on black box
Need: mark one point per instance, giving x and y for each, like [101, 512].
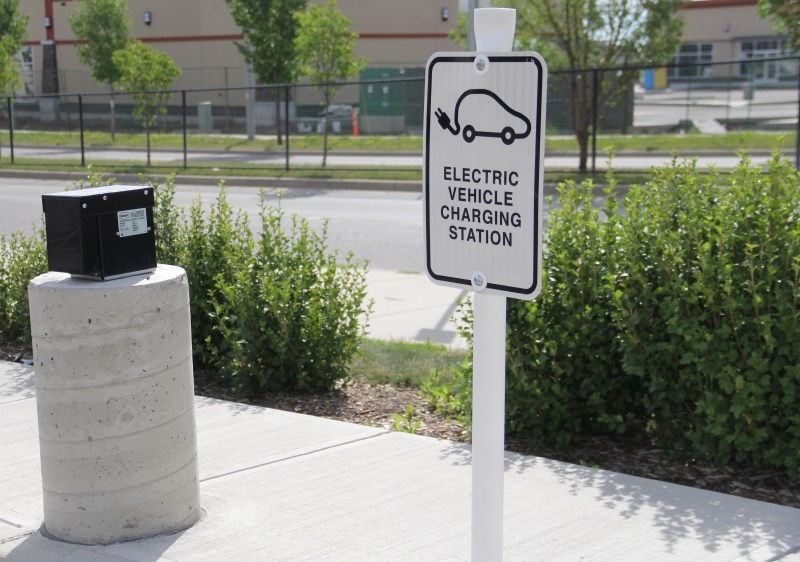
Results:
[132, 222]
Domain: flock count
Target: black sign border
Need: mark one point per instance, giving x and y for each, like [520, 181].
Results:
[470, 58]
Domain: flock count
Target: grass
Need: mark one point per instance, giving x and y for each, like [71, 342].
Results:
[734, 141]
[97, 139]
[240, 169]
[403, 364]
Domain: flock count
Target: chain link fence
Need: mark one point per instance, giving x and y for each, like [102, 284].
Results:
[208, 127]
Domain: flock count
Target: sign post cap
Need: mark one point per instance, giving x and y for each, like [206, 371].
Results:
[494, 29]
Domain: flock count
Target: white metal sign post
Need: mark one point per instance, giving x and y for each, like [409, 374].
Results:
[483, 170]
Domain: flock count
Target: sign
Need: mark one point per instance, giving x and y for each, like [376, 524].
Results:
[483, 171]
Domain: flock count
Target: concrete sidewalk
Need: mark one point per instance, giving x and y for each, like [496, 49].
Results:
[282, 486]
[409, 307]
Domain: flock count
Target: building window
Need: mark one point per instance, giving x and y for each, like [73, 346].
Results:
[752, 53]
[687, 59]
[770, 46]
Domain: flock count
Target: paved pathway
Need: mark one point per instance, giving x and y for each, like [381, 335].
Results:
[282, 486]
[409, 307]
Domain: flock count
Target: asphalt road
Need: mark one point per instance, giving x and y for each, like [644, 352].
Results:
[385, 228]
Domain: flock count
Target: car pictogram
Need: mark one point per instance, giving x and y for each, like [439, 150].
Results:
[514, 125]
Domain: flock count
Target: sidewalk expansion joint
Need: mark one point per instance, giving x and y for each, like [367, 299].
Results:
[17, 537]
[4, 402]
[297, 456]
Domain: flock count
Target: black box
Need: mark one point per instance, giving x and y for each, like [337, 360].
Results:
[102, 232]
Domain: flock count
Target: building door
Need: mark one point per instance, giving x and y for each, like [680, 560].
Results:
[755, 67]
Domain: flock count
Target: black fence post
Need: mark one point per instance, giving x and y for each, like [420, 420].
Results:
[686, 125]
[797, 140]
[595, 96]
[286, 92]
[80, 125]
[183, 109]
[11, 128]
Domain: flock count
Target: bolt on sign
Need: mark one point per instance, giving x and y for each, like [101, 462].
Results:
[483, 171]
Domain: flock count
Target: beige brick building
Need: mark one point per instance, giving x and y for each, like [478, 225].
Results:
[395, 36]
[200, 34]
[732, 30]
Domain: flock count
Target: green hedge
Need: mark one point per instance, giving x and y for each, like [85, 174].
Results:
[565, 376]
[212, 246]
[707, 311]
[673, 318]
[273, 311]
[290, 316]
[21, 259]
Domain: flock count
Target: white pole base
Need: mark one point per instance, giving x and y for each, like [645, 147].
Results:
[488, 426]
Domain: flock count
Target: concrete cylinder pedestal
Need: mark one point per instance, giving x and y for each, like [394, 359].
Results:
[115, 400]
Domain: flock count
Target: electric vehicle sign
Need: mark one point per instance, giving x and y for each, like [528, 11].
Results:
[483, 169]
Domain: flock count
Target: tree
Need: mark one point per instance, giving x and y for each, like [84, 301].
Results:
[326, 54]
[270, 29]
[105, 25]
[459, 34]
[785, 15]
[13, 25]
[146, 73]
[598, 34]
[9, 68]
[13, 31]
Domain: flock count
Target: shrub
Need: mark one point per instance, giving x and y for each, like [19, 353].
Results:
[564, 373]
[290, 317]
[708, 313]
[563, 363]
[214, 249]
[21, 259]
[274, 313]
[170, 226]
[677, 317]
